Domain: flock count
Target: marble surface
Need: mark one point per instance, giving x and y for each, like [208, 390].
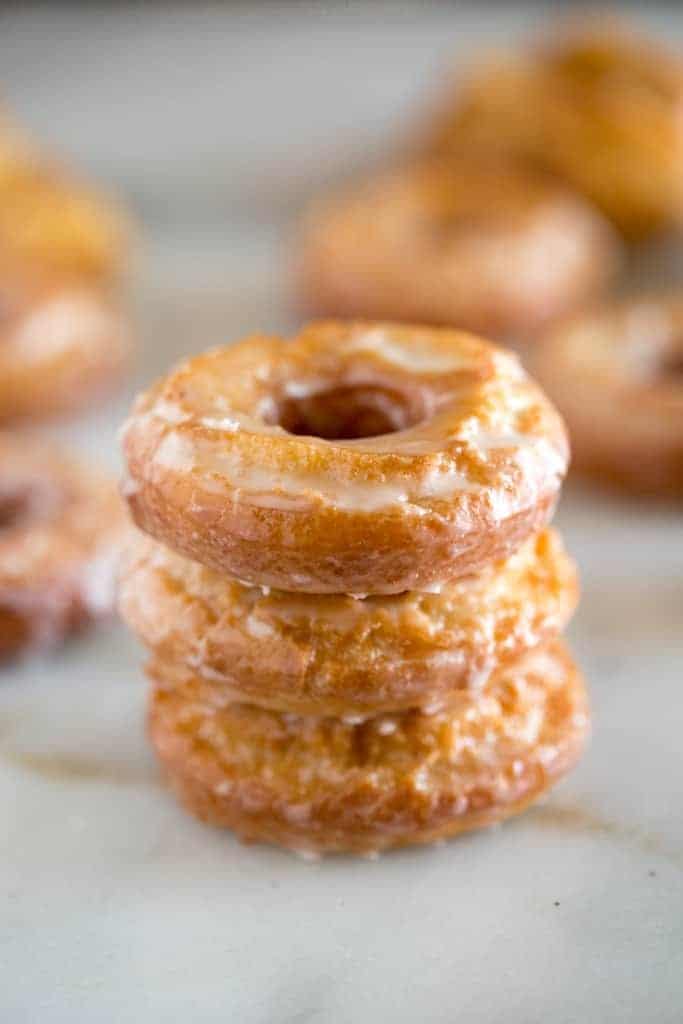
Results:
[114, 906]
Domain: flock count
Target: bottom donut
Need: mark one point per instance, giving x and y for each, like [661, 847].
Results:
[323, 785]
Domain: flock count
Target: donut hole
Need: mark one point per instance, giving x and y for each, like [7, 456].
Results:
[347, 413]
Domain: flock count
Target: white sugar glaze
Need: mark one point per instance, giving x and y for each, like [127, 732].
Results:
[420, 359]
[70, 319]
[278, 489]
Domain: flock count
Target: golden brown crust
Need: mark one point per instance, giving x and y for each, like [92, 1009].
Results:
[62, 344]
[61, 529]
[339, 655]
[468, 461]
[598, 105]
[324, 785]
[617, 375]
[481, 245]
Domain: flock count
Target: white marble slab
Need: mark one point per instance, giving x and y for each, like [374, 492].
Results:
[114, 906]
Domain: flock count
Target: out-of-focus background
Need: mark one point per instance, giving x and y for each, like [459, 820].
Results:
[215, 123]
[199, 109]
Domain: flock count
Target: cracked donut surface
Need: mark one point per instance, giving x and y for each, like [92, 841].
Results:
[334, 654]
[356, 458]
[324, 784]
[345, 580]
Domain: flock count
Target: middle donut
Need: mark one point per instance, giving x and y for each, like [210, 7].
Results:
[329, 654]
[356, 458]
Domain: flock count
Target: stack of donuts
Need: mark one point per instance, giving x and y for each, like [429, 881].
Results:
[64, 339]
[343, 571]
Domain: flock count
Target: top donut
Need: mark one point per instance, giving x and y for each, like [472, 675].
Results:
[362, 458]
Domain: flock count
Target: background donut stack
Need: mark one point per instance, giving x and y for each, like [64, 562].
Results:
[390, 673]
[64, 342]
[63, 252]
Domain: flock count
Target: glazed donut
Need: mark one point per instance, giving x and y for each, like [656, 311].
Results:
[617, 374]
[337, 655]
[324, 785]
[51, 222]
[599, 105]
[61, 528]
[62, 343]
[484, 246]
[275, 461]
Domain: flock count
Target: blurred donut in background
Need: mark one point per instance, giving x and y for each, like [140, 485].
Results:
[61, 530]
[617, 376]
[52, 222]
[483, 245]
[64, 335]
[597, 103]
[63, 342]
